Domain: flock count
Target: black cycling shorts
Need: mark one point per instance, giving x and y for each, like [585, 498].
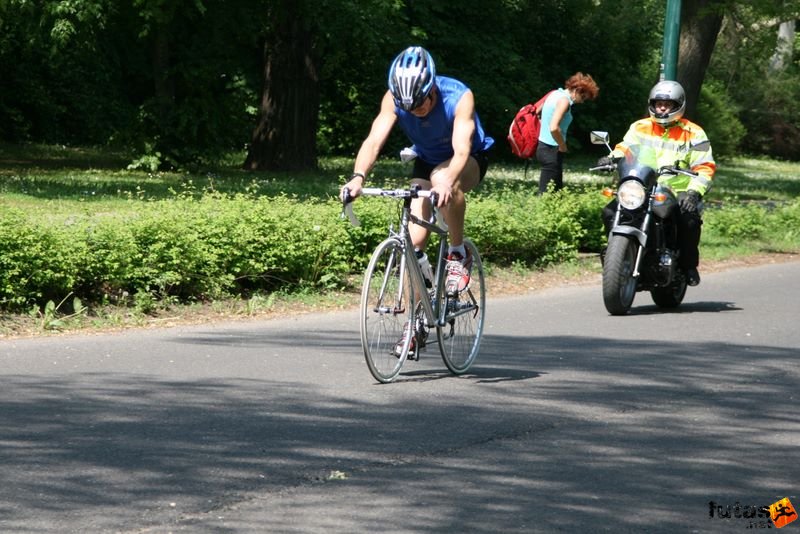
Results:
[422, 169]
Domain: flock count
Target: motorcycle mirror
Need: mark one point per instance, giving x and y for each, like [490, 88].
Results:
[701, 146]
[598, 137]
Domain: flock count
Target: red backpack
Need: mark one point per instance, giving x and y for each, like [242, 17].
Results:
[523, 134]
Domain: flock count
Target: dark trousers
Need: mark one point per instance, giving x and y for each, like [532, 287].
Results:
[689, 228]
[552, 162]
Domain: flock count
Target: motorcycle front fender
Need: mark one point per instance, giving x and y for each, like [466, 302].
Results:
[630, 231]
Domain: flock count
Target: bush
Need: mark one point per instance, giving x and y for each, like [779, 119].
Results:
[717, 114]
[190, 249]
[785, 221]
[520, 226]
[773, 121]
[182, 249]
[735, 222]
[216, 246]
[36, 263]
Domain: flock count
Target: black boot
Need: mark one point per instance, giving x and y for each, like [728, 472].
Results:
[692, 276]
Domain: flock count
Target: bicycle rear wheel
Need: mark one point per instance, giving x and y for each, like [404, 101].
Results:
[386, 309]
[460, 337]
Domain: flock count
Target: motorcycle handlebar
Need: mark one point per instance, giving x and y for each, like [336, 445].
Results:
[671, 169]
[610, 167]
[668, 169]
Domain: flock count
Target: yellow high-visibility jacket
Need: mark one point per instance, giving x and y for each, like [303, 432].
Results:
[671, 145]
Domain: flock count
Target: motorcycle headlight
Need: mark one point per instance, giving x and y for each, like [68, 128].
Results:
[631, 194]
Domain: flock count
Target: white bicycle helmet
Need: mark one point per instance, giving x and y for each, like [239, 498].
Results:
[667, 90]
[411, 77]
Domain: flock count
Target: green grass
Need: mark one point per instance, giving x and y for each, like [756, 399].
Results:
[75, 177]
[757, 179]
[63, 179]
[740, 178]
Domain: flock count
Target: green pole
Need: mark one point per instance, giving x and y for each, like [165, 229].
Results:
[672, 34]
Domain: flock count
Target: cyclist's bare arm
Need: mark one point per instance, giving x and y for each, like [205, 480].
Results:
[372, 145]
[463, 131]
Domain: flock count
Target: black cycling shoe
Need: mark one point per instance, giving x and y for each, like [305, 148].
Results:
[692, 276]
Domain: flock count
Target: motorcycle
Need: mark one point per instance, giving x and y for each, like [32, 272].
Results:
[642, 252]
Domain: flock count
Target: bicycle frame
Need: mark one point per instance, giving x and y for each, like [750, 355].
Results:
[432, 309]
[432, 306]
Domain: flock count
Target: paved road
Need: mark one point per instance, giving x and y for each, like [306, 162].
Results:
[571, 421]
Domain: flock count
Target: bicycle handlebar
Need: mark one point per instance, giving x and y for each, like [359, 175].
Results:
[412, 192]
[401, 193]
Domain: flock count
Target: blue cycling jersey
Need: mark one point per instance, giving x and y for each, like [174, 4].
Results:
[432, 135]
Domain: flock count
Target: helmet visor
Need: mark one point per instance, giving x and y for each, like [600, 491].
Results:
[661, 108]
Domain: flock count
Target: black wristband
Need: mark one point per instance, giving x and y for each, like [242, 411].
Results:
[355, 174]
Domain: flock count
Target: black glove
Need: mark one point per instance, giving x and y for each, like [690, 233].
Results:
[605, 160]
[688, 202]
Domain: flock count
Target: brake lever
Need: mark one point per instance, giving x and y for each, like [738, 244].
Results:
[347, 208]
[436, 214]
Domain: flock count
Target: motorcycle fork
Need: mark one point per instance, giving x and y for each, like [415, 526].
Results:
[643, 229]
[660, 238]
[645, 224]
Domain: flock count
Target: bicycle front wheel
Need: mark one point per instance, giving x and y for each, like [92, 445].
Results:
[386, 309]
[460, 337]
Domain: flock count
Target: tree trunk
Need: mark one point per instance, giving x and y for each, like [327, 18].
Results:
[285, 136]
[701, 21]
[783, 49]
[164, 85]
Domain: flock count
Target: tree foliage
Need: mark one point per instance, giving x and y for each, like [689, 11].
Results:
[182, 82]
[764, 98]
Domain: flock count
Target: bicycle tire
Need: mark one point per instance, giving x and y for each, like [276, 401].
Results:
[460, 337]
[386, 307]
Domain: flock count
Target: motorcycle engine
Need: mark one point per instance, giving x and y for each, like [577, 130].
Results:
[666, 268]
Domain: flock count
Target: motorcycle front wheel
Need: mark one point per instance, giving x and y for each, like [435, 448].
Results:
[619, 284]
[669, 297]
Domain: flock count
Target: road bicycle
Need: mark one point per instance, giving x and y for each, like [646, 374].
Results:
[396, 297]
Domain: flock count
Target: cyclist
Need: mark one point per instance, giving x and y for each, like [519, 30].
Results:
[438, 116]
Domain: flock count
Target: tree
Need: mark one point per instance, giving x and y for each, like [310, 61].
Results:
[196, 71]
[762, 97]
[701, 21]
[305, 53]
[285, 136]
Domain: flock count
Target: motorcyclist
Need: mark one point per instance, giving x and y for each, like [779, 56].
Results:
[674, 140]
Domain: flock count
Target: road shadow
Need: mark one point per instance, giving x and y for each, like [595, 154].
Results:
[608, 423]
[478, 373]
[687, 307]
